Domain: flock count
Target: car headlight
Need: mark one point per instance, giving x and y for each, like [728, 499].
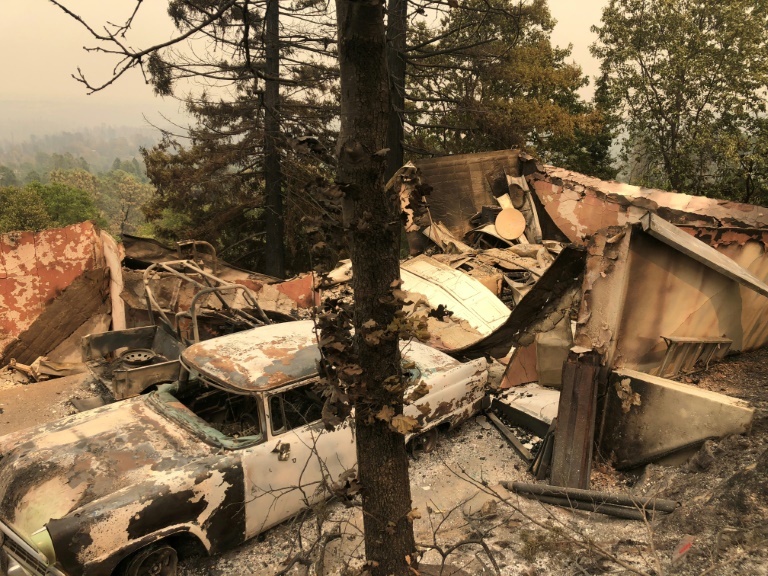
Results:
[42, 541]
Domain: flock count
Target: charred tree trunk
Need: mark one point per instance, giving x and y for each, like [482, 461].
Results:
[275, 256]
[397, 25]
[373, 224]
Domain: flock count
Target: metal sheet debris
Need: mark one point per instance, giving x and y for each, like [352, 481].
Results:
[35, 270]
[649, 417]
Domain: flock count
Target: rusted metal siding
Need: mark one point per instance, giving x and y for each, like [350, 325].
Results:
[87, 297]
[748, 249]
[670, 294]
[37, 267]
[581, 205]
[638, 289]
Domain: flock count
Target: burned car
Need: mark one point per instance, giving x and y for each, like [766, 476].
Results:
[233, 447]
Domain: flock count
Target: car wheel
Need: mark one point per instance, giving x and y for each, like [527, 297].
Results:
[424, 443]
[154, 560]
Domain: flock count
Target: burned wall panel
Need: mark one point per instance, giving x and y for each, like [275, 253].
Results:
[460, 185]
[86, 297]
[748, 249]
[36, 267]
[670, 294]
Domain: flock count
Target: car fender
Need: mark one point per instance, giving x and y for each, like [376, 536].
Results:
[206, 503]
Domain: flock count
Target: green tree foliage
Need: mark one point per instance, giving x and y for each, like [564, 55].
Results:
[688, 78]
[8, 177]
[495, 81]
[65, 204]
[212, 188]
[37, 206]
[121, 199]
[118, 196]
[32, 176]
[217, 182]
[77, 178]
[23, 209]
[211, 184]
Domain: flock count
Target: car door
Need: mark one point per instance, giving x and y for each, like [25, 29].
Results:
[298, 463]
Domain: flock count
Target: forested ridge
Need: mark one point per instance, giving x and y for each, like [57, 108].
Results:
[58, 179]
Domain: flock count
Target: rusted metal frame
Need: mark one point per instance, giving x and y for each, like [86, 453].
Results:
[694, 350]
[214, 285]
[685, 243]
[657, 504]
[576, 415]
[152, 303]
[524, 453]
[195, 244]
[247, 294]
[192, 314]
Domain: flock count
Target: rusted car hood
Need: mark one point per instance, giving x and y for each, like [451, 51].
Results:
[53, 470]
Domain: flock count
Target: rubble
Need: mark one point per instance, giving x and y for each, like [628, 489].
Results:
[596, 296]
[646, 296]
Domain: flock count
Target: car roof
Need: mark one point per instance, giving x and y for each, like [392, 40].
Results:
[268, 357]
[258, 359]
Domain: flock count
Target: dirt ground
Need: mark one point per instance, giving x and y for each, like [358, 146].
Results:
[24, 405]
[483, 530]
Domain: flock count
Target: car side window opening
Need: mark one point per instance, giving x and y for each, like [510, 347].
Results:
[294, 408]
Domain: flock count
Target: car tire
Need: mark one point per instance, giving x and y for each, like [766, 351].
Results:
[154, 560]
[424, 443]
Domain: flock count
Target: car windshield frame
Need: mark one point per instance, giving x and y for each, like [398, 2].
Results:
[165, 402]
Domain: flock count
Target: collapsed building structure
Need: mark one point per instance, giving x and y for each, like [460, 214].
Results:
[595, 295]
[653, 284]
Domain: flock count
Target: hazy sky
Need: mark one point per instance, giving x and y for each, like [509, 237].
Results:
[41, 48]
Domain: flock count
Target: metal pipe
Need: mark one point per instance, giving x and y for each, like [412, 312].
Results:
[608, 509]
[659, 504]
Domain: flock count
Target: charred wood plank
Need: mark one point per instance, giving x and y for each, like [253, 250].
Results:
[576, 413]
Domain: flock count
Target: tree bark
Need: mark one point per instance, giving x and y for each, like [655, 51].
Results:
[397, 25]
[373, 224]
[274, 261]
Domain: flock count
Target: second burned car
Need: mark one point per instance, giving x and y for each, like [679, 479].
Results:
[234, 447]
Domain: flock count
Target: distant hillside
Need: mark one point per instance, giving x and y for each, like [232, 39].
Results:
[94, 149]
